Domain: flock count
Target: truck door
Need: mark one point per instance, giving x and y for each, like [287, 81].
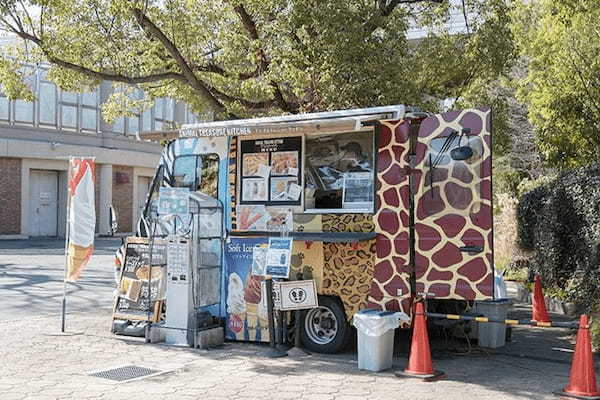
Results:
[453, 206]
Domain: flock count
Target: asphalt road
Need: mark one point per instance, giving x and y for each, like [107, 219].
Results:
[31, 278]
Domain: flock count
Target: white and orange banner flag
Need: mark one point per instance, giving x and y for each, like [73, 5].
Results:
[82, 216]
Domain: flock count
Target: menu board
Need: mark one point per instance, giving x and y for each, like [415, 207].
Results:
[137, 300]
[271, 171]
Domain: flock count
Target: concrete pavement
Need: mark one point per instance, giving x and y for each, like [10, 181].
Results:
[31, 278]
[39, 363]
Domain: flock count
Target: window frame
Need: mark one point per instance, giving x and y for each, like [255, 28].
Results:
[374, 131]
[195, 185]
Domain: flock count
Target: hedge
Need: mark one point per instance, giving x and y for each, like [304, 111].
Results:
[560, 223]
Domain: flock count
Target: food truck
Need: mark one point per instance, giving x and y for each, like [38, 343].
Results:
[383, 204]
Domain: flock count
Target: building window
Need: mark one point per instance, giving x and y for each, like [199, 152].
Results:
[4, 107]
[89, 111]
[23, 112]
[79, 111]
[68, 110]
[119, 125]
[147, 121]
[47, 101]
[133, 125]
[89, 118]
[164, 111]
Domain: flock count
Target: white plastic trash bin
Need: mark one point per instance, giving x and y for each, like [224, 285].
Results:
[376, 338]
[492, 334]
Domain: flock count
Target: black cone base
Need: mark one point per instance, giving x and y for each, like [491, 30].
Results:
[436, 376]
[574, 396]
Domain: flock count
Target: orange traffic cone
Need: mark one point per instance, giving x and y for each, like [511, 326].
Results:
[419, 362]
[540, 314]
[582, 380]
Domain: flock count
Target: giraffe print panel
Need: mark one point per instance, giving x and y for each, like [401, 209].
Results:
[453, 207]
[390, 288]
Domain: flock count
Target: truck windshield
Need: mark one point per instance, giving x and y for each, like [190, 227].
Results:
[199, 173]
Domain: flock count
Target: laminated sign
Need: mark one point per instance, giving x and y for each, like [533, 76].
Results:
[298, 295]
[279, 255]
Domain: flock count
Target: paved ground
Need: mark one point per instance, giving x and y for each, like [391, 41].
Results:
[31, 278]
[38, 363]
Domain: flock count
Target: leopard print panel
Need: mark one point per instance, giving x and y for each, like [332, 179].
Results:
[454, 209]
[348, 223]
[348, 273]
[390, 288]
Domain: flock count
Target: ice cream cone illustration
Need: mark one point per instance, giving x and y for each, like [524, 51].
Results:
[82, 216]
[236, 307]
[252, 298]
[78, 257]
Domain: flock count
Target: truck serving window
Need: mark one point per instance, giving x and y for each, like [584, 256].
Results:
[198, 173]
[339, 172]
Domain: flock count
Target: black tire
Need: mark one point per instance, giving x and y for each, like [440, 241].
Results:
[332, 323]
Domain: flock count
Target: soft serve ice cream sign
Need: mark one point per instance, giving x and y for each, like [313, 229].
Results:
[246, 313]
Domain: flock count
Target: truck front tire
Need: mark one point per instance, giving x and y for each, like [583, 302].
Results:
[325, 329]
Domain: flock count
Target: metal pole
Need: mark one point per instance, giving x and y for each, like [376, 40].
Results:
[273, 352]
[150, 311]
[67, 231]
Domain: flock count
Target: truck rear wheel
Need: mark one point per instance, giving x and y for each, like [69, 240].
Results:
[325, 329]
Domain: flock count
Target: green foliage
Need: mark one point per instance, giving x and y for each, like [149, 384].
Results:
[561, 40]
[506, 179]
[251, 57]
[560, 221]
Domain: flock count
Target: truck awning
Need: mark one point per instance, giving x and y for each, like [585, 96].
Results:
[331, 121]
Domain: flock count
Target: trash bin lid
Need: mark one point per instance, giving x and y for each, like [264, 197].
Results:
[376, 322]
[371, 312]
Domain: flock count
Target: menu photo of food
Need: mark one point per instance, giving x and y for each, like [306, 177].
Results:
[251, 163]
[280, 188]
[254, 189]
[284, 162]
[130, 289]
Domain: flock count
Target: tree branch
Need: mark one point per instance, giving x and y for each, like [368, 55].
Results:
[385, 9]
[252, 31]
[187, 72]
[101, 75]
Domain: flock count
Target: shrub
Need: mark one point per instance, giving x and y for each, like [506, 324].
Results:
[560, 222]
[505, 231]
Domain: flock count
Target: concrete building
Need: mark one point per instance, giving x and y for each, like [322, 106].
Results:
[37, 138]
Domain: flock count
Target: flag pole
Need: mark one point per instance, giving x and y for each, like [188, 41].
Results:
[67, 229]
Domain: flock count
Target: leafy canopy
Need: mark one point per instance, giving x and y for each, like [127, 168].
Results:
[561, 41]
[251, 57]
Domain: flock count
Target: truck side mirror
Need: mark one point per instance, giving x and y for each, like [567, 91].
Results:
[113, 220]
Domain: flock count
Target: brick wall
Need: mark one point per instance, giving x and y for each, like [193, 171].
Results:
[10, 196]
[122, 196]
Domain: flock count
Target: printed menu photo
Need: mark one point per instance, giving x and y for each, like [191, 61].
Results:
[252, 162]
[280, 188]
[284, 162]
[254, 189]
